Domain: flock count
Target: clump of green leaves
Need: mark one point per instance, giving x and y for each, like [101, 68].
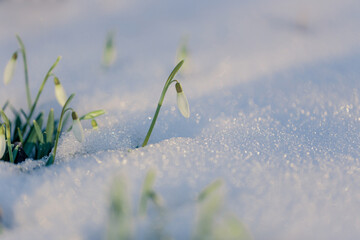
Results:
[27, 136]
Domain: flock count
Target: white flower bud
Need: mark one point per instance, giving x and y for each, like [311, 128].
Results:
[182, 101]
[2, 141]
[10, 69]
[77, 127]
[60, 93]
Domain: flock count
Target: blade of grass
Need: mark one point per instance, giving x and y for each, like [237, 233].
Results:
[5, 105]
[31, 139]
[50, 127]
[92, 114]
[38, 132]
[20, 136]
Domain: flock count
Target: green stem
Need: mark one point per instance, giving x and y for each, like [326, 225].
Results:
[28, 96]
[161, 100]
[64, 110]
[49, 73]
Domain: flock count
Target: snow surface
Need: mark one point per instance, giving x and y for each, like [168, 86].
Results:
[273, 88]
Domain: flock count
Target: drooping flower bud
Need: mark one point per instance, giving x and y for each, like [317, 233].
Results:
[10, 68]
[182, 101]
[60, 93]
[94, 124]
[2, 141]
[77, 127]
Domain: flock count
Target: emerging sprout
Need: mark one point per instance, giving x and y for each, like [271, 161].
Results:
[2, 141]
[10, 68]
[77, 127]
[59, 92]
[182, 101]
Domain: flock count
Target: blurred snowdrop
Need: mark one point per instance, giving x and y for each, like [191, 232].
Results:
[77, 127]
[60, 93]
[2, 141]
[109, 55]
[182, 101]
[10, 68]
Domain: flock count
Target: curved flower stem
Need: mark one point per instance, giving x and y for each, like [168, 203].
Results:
[161, 100]
[49, 73]
[23, 52]
[64, 110]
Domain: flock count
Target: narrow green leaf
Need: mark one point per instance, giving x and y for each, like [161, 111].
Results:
[5, 105]
[16, 150]
[212, 187]
[50, 127]
[23, 113]
[38, 132]
[20, 135]
[147, 191]
[92, 114]
[31, 139]
[50, 160]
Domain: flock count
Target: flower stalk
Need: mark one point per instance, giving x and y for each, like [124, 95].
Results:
[23, 52]
[161, 100]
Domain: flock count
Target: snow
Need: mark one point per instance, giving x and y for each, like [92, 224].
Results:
[274, 98]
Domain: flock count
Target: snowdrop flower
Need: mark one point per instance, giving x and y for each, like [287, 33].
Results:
[182, 101]
[59, 92]
[10, 68]
[77, 128]
[2, 141]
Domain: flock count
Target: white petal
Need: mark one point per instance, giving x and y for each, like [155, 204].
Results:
[9, 70]
[2, 142]
[78, 130]
[183, 104]
[60, 94]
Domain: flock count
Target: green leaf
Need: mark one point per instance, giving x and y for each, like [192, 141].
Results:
[20, 135]
[5, 105]
[38, 132]
[31, 138]
[92, 114]
[50, 127]
[50, 160]
[16, 149]
[147, 191]
[212, 187]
